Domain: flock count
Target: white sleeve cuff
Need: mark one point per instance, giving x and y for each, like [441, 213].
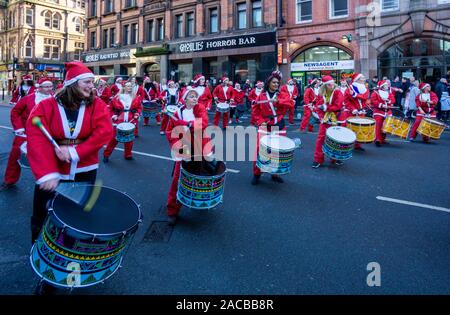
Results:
[19, 130]
[73, 154]
[325, 108]
[48, 177]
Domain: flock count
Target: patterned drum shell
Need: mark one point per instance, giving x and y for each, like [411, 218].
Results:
[396, 126]
[431, 128]
[125, 132]
[150, 109]
[223, 107]
[339, 143]
[363, 127]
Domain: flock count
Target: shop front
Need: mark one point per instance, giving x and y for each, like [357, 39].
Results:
[54, 72]
[322, 60]
[112, 63]
[232, 56]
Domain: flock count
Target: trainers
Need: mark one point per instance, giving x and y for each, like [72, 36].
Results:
[136, 136]
[255, 180]
[229, 122]
[5, 186]
[411, 139]
[129, 158]
[360, 149]
[105, 159]
[172, 220]
[316, 165]
[339, 163]
[277, 179]
[162, 133]
[377, 143]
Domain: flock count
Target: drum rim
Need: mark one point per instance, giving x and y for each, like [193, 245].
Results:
[279, 136]
[340, 128]
[125, 123]
[435, 121]
[202, 176]
[51, 211]
[372, 121]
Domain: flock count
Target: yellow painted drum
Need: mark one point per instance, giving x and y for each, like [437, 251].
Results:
[363, 127]
[397, 126]
[431, 128]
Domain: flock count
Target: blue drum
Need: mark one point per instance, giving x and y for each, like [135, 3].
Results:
[77, 248]
[199, 190]
[276, 153]
[125, 132]
[339, 143]
[150, 109]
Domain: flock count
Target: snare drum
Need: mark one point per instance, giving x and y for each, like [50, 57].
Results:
[431, 128]
[150, 109]
[339, 143]
[76, 248]
[396, 126]
[223, 107]
[276, 153]
[170, 109]
[23, 161]
[199, 191]
[363, 127]
[125, 132]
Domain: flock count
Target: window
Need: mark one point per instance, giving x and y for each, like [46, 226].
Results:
[190, 26]
[257, 14]
[112, 37]
[388, 5]
[48, 19]
[304, 10]
[52, 48]
[241, 16]
[93, 8]
[109, 6]
[93, 40]
[134, 34]
[150, 31]
[160, 29]
[339, 8]
[213, 20]
[79, 48]
[179, 25]
[56, 20]
[29, 17]
[14, 18]
[29, 48]
[130, 3]
[322, 53]
[126, 33]
[105, 39]
[78, 25]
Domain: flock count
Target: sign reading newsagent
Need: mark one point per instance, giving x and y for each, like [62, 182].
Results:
[323, 65]
[242, 41]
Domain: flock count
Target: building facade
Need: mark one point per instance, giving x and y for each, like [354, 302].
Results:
[37, 37]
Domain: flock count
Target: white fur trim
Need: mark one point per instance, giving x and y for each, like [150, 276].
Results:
[202, 77]
[358, 77]
[327, 82]
[48, 177]
[79, 77]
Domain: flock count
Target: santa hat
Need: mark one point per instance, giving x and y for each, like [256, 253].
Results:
[118, 79]
[423, 85]
[236, 84]
[260, 83]
[27, 77]
[381, 83]
[290, 80]
[224, 78]
[170, 82]
[356, 76]
[198, 77]
[103, 80]
[43, 81]
[327, 79]
[59, 86]
[76, 71]
[186, 92]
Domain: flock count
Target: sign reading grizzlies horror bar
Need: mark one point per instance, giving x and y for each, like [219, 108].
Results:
[234, 42]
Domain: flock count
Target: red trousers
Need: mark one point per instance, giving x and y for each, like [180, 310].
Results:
[291, 112]
[173, 206]
[224, 119]
[112, 144]
[305, 120]
[12, 173]
[158, 119]
[413, 133]
[164, 122]
[256, 170]
[319, 157]
[380, 135]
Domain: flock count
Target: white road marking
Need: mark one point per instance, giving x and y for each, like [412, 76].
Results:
[4, 127]
[409, 203]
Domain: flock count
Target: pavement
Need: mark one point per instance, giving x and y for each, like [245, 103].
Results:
[318, 233]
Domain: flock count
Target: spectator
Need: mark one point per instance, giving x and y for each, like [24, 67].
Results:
[373, 85]
[410, 104]
[397, 88]
[441, 86]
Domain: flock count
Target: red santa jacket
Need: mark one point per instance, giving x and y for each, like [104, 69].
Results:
[294, 93]
[221, 96]
[355, 101]
[334, 105]
[254, 94]
[21, 111]
[150, 94]
[166, 95]
[93, 128]
[238, 97]
[105, 94]
[115, 89]
[376, 102]
[271, 112]
[117, 108]
[205, 96]
[428, 108]
[17, 94]
[309, 98]
[196, 127]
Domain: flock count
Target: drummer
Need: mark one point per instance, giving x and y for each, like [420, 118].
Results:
[205, 96]
[328, 107]
[309, 99]
[269, 110]
[223, 93]
[170, 96]
[195, 118]
[355, 99]
[252, 96]
[381, 101]
[425, 101]
[151, 94]
[123, 109]
[19, 115]
[103, 91]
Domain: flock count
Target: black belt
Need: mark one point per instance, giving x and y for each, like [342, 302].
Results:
[69, 141]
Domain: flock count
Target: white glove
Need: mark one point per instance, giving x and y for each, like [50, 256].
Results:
[114, 117]
[354, 112]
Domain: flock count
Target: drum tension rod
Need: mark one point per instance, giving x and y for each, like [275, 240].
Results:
[93, 237]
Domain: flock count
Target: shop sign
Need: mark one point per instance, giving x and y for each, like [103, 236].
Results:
[234, 42]
[323, 65]
[49, 67]
[107, 56]
[280, 53]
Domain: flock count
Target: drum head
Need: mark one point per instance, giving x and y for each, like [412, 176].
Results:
[434, 121]
[341, 134]
[171, 108]
[201, 168]
[223, 105]
[361, 121]
[23, 147]
[125, 126]
[277, 142]
[114, 212]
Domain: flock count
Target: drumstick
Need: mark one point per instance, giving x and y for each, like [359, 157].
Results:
[38, 123]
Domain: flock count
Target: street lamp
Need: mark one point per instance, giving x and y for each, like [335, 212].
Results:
[347, 37]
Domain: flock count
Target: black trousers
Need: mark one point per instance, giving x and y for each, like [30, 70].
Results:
[42, 197]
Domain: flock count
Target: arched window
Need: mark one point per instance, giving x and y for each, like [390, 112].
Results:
[78, 25]
[56, 20]
[48, 19]
[29, 48]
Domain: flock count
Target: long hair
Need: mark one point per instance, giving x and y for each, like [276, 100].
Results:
[274, 74]
[71, 98]
[323, 89]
